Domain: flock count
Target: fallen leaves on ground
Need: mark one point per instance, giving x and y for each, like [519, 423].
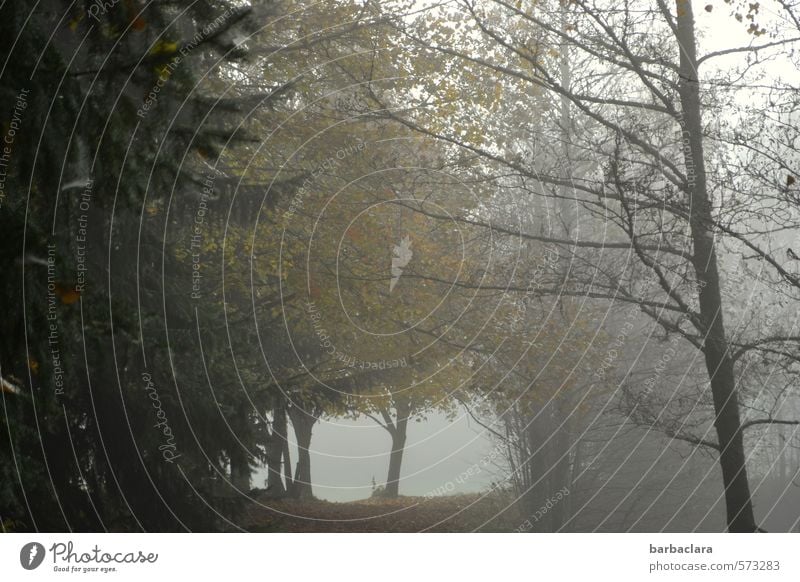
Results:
[455, 513]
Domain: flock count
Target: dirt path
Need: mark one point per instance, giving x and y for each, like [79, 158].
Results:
[460, 513]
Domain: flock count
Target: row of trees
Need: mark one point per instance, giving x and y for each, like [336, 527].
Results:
[262, 215]
[656, 168]
[169, 330]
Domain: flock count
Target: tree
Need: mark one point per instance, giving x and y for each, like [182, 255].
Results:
[107, 132]
[668, 214]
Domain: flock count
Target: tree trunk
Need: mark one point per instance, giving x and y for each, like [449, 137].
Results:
[287, 466]
[536, 462]
[396, 457]
[560, 478]
[303, 424]
[240, 469]
[275, 453]
[715, 346]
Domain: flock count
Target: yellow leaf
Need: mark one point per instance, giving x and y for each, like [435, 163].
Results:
[164, 47]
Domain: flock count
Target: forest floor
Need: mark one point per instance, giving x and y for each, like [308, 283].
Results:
[456, 513]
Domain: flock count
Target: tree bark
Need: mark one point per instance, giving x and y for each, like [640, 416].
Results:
[240, 469]
[281, 432]
[560, 478]
[396, 457]
[715, 346]
[287, 466]
[303, 425]
[275, 452]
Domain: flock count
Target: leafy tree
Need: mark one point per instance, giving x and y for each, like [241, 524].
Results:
[113, 111]
[643, 161]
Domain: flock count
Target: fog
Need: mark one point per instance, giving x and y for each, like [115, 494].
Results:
[399, 266]
[348, 454]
